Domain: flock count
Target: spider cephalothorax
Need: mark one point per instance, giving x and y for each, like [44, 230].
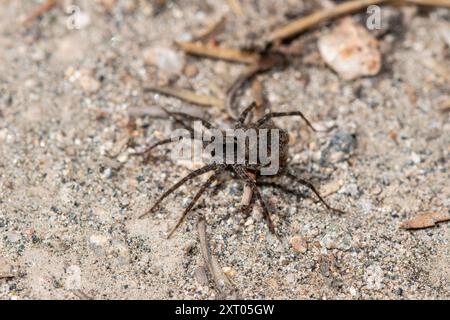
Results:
[249, 170]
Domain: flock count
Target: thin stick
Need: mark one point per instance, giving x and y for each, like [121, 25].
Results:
[207, 50]
[40, 10]
[82, 295]
[210, 30]
[311, 20]
[434, 3]
[223, 285]
[188, 96]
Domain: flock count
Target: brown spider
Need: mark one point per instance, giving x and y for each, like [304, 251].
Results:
[248, 173]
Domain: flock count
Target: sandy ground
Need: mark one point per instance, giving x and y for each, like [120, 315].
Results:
[70, 194]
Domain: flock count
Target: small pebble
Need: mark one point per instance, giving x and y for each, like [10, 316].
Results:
[374, 277]
[353, 291]
[329, 241]
[351, 189]
[190, 71]
[299, 244]
[350, 50]
[338, 149]
[13, 237]
[88, 83]
[415, 158]
[98, 240]
[228, 271]
[5, 269]
[165, 59]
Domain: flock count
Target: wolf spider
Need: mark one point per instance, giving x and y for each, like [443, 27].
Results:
[248, 173]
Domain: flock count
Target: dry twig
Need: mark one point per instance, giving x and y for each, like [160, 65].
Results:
[223, 285]
[206, 50]
[187, 95]
[425, 220]
[304, 23]
[210, 30]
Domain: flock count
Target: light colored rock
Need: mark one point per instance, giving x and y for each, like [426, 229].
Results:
[228, 271]
[13, 237]
[5, 269]
[329, 241]
[374, 277]
[98, 240]
[88, 83]
[299, 244]
[72, 279]
[351, 189]
[121, 250]
[190, 71]
[415, 158]
[353, 291]
[165, 59]
[70, 48]
[350, 50]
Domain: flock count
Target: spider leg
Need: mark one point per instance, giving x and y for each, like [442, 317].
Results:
[195, 199]
[280, 187]
[146, 152]
[245, 113]
[241, 173]
[165, 141]
[204, 122]
[190, 176]
[271, 115]
[266, 212]
[313, 189]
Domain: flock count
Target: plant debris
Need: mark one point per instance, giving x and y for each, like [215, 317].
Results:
[211, 51]
[425, 220]
[187, 95]
[297, 26]
[223, 285]
[210, 31]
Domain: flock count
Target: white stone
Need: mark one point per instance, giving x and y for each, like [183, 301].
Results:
[165, 59]
[350, 50]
